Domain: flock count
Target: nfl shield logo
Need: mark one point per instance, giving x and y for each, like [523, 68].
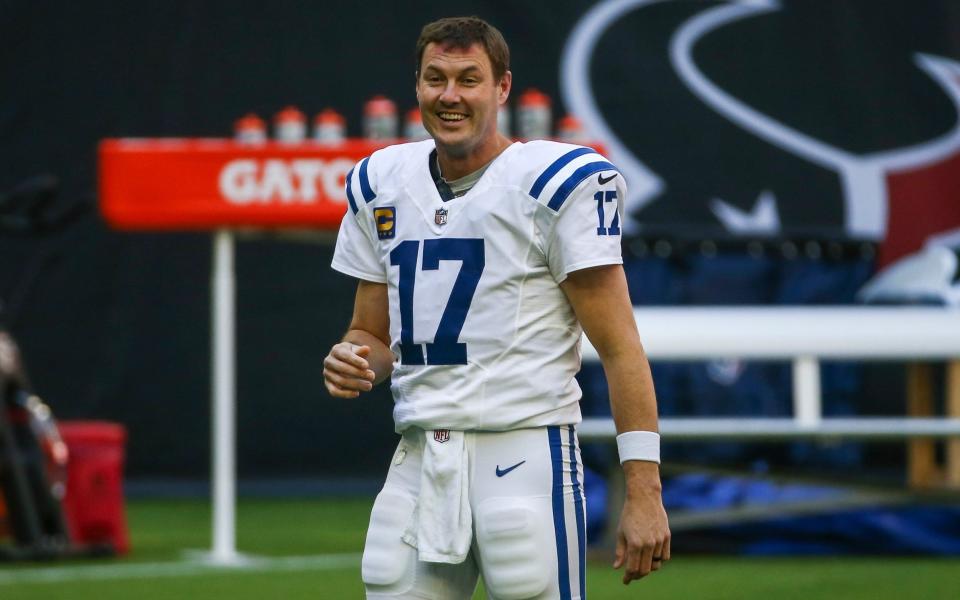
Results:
[440, 218]
[441, 435]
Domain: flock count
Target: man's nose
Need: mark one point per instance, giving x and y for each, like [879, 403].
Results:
[451, 94]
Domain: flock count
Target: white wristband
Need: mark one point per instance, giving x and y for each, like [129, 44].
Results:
[639, 445]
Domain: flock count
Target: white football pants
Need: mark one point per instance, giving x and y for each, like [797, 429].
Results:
[529, 521]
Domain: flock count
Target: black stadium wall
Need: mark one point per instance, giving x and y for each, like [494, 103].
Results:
[797, 119]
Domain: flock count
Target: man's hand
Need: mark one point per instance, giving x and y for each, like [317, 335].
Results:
[643, 537]
[346, 371]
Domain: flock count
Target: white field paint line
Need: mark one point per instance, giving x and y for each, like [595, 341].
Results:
[57, 574]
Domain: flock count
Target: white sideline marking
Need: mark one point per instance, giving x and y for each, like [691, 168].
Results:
[185, 568]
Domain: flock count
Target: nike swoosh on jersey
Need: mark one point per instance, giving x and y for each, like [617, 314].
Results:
[502, 472]
[602, 181]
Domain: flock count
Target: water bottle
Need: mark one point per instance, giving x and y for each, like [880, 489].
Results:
[380, 119]
[250, 129]
[571, 131]
[413, 128]
[290, 125]
[533, 115]
[329, 127]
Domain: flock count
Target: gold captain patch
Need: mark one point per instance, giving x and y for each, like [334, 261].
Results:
[386, 220]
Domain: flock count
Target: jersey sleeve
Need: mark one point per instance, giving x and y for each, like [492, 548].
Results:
[355, 253]
[586, 229]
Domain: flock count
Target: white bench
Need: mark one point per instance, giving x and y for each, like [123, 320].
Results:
[804, 336]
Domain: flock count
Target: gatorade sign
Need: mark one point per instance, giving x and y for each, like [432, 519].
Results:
[180, 184]
[274, 181]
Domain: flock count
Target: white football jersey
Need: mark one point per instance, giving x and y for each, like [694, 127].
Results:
[482, 335]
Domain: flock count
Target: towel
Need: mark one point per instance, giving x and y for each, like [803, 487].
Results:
[441, 526]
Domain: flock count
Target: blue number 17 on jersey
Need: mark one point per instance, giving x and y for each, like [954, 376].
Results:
[444, 349]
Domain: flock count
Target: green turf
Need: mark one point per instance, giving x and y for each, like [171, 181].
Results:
[162, 530]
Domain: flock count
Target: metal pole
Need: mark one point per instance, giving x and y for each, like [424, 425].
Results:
[223, 444]
[806, 391]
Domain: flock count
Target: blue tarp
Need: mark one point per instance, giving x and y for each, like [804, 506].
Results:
[932, 529]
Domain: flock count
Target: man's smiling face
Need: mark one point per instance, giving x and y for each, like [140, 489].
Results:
[459, 96]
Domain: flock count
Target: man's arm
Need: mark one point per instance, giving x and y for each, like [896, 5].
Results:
[600, 300]
[363, 359]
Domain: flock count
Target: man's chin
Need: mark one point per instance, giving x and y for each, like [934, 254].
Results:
[453, 146]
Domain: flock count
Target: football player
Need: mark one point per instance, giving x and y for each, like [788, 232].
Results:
[481, 262]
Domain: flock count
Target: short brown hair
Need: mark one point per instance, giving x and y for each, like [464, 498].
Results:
[463, 32]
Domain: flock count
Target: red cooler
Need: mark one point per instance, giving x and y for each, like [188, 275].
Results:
[94, 499]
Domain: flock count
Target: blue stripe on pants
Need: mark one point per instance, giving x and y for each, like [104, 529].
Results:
[578, 510]
[559, 524]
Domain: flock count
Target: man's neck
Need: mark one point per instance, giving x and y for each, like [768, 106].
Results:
[455, 167]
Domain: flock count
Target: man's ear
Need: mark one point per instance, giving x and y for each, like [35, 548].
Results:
[506, 82]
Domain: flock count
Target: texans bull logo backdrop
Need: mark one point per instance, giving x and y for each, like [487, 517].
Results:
[795, 118]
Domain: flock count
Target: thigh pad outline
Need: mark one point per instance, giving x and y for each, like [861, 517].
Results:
[517, 549]
[387, 559]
